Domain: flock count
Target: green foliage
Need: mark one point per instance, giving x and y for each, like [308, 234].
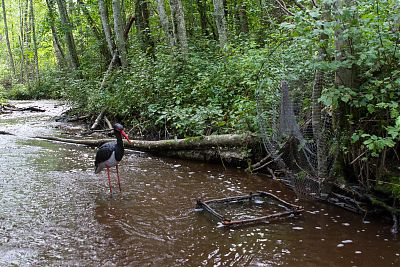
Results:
[18, 91]
[202, 94]
[390, 187]
[205, 93]
[372, 53]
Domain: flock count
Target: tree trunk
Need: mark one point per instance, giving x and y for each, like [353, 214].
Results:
[202, 9]
[119, 32]
[58, 51]
[192, 143]
[244, 20]
[10, 55]
[69, 38]
[220, 21]
[27, 42]
[318, 128]
[35, 48]
[228, 149]
[106, 26]
[21, 40]
[178, 22]
[190, 18]
[263, 22]
[24, 40]
[346, 77]
[143, 27]
[164, 21]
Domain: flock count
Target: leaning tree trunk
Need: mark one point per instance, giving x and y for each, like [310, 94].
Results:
[35, 48]
[98, 34]
[106, 26]
[178, 22]
[10, 55]
[69, 38]
[119, 32]
[220, 20]
[165, 22]
[58, 50]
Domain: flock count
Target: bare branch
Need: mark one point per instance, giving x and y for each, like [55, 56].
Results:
[299, 5]
[314, 3]
[282, 5]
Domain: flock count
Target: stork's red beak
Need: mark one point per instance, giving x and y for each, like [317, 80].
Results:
[126, 136]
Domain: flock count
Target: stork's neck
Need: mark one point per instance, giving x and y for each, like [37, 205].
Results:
[120, 143]
[119, 149]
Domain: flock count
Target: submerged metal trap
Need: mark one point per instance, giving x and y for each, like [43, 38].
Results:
[249, 209]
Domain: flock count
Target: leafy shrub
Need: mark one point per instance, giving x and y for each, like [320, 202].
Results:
[19, 91]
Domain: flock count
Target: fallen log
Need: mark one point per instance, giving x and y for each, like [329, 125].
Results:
[226, 149]
[202, 142]
[5, 133]
[13, 108]
[35, 109]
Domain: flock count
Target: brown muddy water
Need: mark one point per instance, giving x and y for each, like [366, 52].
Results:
[55, 211]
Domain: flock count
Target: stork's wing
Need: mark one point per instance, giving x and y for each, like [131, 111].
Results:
[104, 152]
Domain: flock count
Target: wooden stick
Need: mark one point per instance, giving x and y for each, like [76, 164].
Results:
[108, 122]
[98, 119]
[272, 173]
[258, 164]
[259, 219]
[209, 209]
[78, 118]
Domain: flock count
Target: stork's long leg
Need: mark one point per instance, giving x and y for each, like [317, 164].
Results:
[119, 184]
[109, 179]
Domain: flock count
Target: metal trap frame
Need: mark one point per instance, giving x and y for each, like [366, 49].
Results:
[290, 209]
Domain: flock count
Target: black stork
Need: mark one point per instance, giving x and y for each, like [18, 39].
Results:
[110, 154]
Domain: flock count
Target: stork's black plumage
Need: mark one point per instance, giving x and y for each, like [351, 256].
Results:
[111, 153]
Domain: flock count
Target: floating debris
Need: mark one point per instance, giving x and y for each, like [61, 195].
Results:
[347, 241]
[297, 228]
